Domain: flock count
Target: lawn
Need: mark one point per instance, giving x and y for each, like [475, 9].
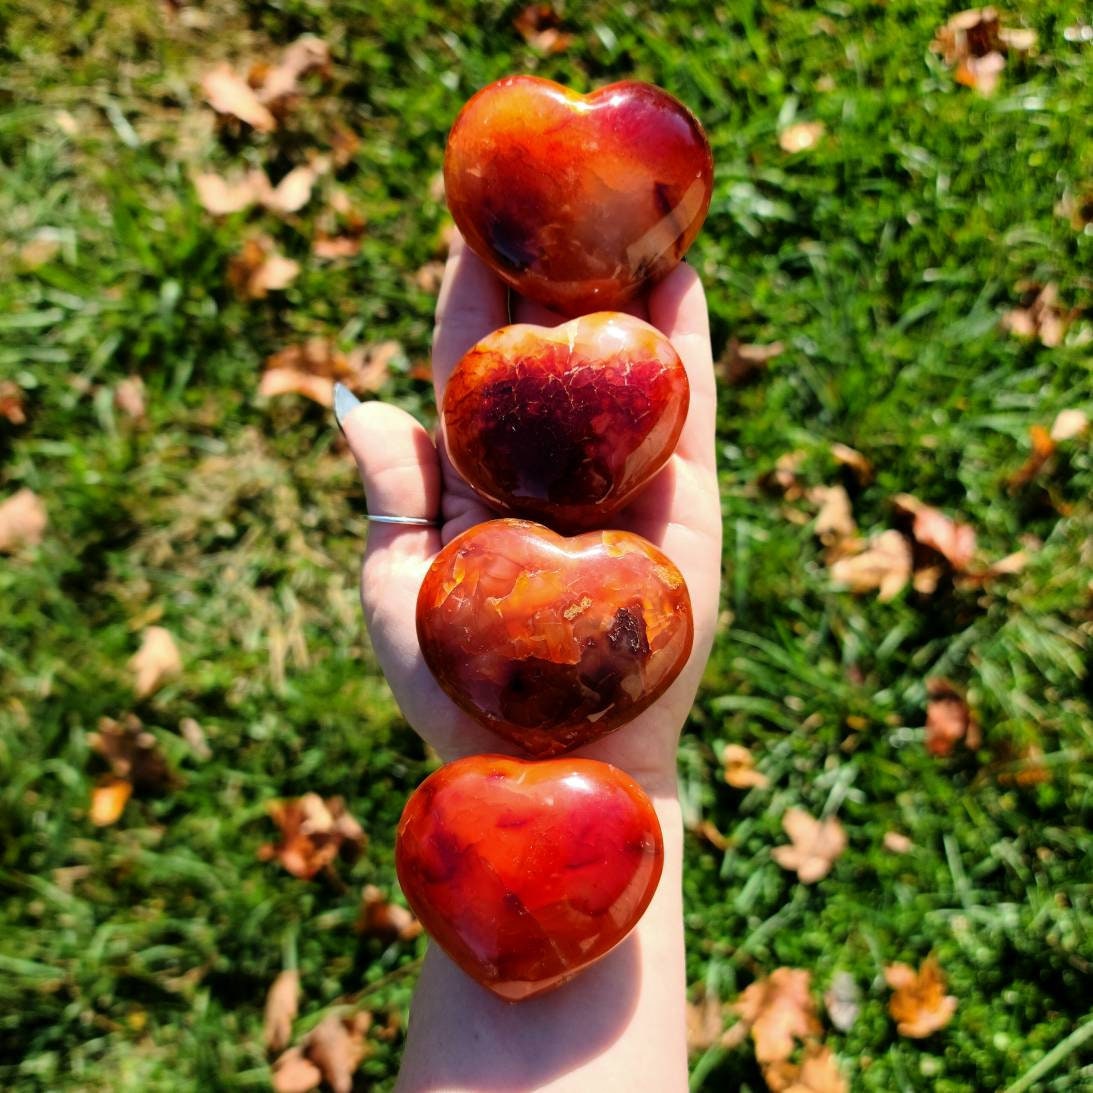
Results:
[895, 258]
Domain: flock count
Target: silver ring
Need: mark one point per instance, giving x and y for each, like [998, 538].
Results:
[412, 521]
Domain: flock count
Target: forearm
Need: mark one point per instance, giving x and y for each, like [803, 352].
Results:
[619, 1025]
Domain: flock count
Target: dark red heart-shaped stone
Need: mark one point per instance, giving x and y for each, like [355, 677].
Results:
[553, 642]
[525, 873]
[565, 424]
[578, 201]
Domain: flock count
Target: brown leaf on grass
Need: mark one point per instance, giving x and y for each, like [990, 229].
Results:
[740, 362]
[258, 269]
[23, 521]
[39, 250]
[834, 525]
[778, 1010]
[949, 720]
[740, 772]
[224, 196]
[814, 845]
[108, 800]
[852, 459]
[801, 136]
[1043, 448]
[129, 397]
[818, 1072]
[930, 527]
[706, 1025]
[282, 1005]
[1077, 208]
[313, 367]
[706, 829]
[228, 93]
[1068, 425]
[156, 661]
[884, 565]
[919, 1003]
[1023, 767]
[895, 842]
[131, 752]
[12, 404]
[784, 478]
[336, 246]
[313, 833]
[194, 735]
[294, 1072]
[428, 277]
[344, 144]
[275, 85]
[1039, 315]
[975, 42]
[540, 26]
[293, 192]
[380, 918]
[337, 1046]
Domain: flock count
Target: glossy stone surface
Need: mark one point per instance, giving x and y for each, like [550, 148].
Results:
[553, 642]
[565, 424]
[578, 201]
[525, 873]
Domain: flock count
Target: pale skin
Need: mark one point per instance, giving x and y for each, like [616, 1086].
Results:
[620, 1024]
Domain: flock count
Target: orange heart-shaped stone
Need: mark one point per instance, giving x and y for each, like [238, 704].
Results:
[525, 873]
[565, 424]
[553, 642]
[578, 201]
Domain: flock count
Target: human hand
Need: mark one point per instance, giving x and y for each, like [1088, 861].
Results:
[405, 474]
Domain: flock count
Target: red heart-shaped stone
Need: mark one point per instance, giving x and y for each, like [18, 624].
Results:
[525, 873]
[553, 642]
[578, 201]
[565, 424]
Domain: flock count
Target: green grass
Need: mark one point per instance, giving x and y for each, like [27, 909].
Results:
[137, 957]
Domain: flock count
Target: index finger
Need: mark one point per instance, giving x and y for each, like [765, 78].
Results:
[677, 308]
[473, 302]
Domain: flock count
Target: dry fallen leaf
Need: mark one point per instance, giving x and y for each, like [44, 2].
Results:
[23, 521]
[784, 479]
[851, 458]
[777, 1010]
[1024, 767]
[801, 136]
[1039, 315]
[313, 833]
[108, 800]
[132, 752]
[1043, 448]
[194, 735]
[311, 369]
[814, 845]
[707, 829]
[258, 269]
[228, 93]
[884, 564]
[380, 918]
[818, 1072]
[155, 662]
[12, 405]
[975, 43]
[834, 525]
[294, 1072]
[336, 246]
[274, 85]
[1068, 425]
[919, 1003]
[336, 1046]
[1077, 208]
[896, 842]
[740, 362]
[539, 26]
[948, 719]
[842, 1000]
[129, 397]
[428, 277]
[282, 1005]
[740, 772]
[954, 541]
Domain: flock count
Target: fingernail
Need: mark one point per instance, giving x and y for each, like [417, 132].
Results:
[344, 401]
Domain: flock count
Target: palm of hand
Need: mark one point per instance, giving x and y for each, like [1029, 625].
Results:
[404, 474]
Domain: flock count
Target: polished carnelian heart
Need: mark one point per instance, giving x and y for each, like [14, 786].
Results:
[525, 873]
[565, 424]
[578, 201]
[553, 642]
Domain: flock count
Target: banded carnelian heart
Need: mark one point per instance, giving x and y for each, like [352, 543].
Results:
[565, 424]
[548, 641]
[525, 873]
[578, 201]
